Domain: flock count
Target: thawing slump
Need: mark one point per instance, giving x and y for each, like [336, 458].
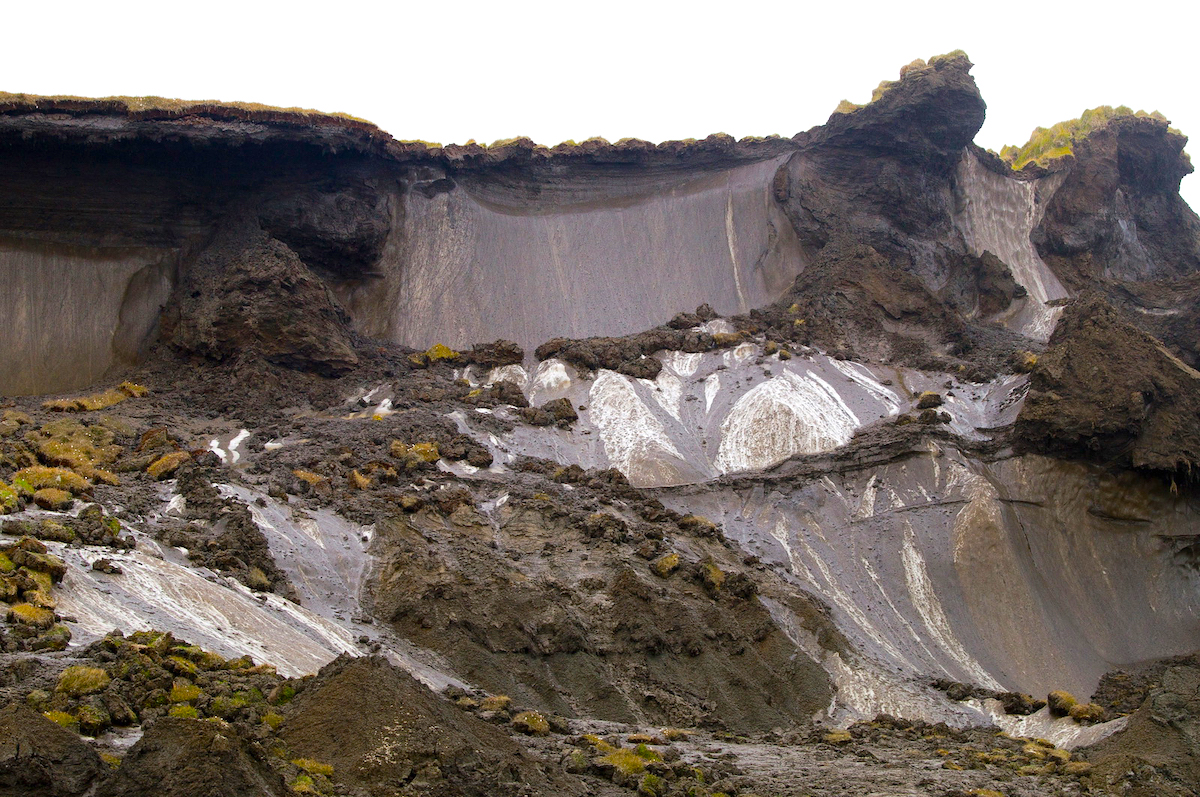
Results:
[608, 253]
[324, 556]
[1023, 574]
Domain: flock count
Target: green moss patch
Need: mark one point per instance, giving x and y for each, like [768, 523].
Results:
[9, 500]
[531, 723]
[64, 719]
[313, 767]
[183, 692]
[28, 614]
[165, 466]
[1048, 143]
[38, 477]
[82, 680]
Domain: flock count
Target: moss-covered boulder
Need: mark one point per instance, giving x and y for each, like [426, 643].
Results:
[9, 500]
[54, 499]
[165, 466]
[39, 477]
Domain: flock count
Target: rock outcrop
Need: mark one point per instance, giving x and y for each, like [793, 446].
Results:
[1117, 214]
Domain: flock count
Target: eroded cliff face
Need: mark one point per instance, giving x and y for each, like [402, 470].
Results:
[775, 431]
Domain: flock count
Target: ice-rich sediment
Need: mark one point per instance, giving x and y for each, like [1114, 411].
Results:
[596, 254]
[1024, 573]
[324, 556]
[998, 214]
[991, 574]
[72, 312]
[735, 411]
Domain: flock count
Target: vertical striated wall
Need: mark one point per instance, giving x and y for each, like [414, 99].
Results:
[72, 312]
[606, 255]
[997, 214]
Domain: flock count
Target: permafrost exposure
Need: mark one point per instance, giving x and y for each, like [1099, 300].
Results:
[854, 463]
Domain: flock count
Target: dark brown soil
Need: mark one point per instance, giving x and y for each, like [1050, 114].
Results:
[1106, 391]
[384, 733]
[194, 758]
[570, 618]
[40, 759]
[1159, 753]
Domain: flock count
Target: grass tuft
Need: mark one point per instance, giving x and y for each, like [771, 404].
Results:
[81, 680]
[1050, 143]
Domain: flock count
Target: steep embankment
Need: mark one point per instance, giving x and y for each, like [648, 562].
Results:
[925, 444]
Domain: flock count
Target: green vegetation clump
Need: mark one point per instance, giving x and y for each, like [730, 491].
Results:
[531, 723]
[53, 499]
[1060, 702]
[438, 352]
[665, 565]
[184, 711]
[495, 703]
[28, 614]
[646, 753]
[165, 466]
[1087, 713]
[313, 767]
[915, 66]
[98, 401]
[9, 500]
[303, 785]
[651, 786]
[64, 719]
[950, 56]
[82, 680]
[29, 480]
[712, 577]
[1049, 143]
[625, 761]
[184, 692]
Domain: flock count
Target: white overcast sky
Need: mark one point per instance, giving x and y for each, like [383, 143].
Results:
[449, 72]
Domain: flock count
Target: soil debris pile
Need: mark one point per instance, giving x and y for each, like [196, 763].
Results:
[38, 758]
[1108, 392]
[1159, 752]
[178, 757]
[383, 732]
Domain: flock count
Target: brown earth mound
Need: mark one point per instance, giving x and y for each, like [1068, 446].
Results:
[1108, 392]
[383, 733]
[1158, 755]
[194, 758]
[254, 294]
[38, 758]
